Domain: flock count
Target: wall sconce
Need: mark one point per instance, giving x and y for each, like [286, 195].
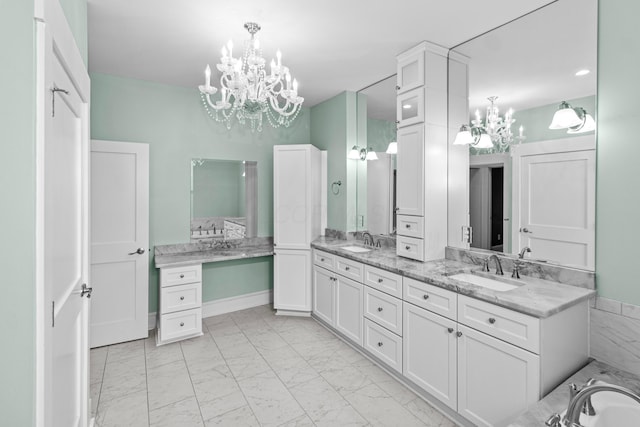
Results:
[392, 148]
[575, 120]
[476, 137]
[357, 153]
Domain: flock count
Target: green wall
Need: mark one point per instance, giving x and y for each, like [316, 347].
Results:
[218, 189]
[618, 202]
[176, 127]
[333, 128]
[17, 216]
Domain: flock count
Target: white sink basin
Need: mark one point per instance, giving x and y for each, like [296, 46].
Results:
[612, 409]
[499, 284]
[356, 249]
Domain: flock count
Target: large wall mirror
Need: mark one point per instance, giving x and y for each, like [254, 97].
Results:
[224, 199]
[535, 186]
[376, 106]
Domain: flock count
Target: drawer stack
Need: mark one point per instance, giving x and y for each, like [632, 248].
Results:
[180, 312]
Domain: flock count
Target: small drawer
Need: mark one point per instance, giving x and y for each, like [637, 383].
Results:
[383, 309]
[181, 297]
[383, 280]
[170, 276]
[180, 325]
[508, 325]
[383, 344]
[410, 247]
[411, 226]
[324, 259]
[351, 269]
[432, 298]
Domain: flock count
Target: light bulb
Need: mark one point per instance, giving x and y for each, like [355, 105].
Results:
[207, 77]
[230, 46]
[256, 44]
[224, 52]
[279, 56]
[295, 85]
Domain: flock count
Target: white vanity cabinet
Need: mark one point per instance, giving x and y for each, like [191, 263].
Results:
[180, 311]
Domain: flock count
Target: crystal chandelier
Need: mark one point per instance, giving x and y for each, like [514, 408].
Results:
[248, 92]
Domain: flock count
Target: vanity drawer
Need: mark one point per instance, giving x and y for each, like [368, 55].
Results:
[170, 276]
[351, 269]
[411, 226]
[181, 297]
[383, 309]
[324, 259]
[383, 344]
[430, 297]
[410, 247]
[383, 280]
[183, 324]
[508, 325]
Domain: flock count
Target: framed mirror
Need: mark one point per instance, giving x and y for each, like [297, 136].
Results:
[224, 199]
[530, 188]
[376, 174]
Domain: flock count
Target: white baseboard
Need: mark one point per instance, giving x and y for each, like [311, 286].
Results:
[240, 302]
[228, 305]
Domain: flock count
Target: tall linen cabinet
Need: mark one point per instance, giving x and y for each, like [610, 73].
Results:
[297, 214]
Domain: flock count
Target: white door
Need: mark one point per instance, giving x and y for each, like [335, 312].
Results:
[323, 295]
[380, 195]
[557, 207]
[62, 275]
[349, 312]
[410, 166]
[292, 280]
[119, 242]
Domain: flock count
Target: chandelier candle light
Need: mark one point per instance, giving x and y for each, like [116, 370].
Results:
[248, 92]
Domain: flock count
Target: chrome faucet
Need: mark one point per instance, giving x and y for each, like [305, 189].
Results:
[368, 238]
[498, 264]
[516, 263]
[523, 251]
[576, 404]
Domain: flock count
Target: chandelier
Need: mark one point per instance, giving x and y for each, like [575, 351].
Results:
[248, 92]
[494, 133]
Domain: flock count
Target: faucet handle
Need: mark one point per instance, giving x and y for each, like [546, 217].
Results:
[485, 265]
[554, 421]
[516, 269]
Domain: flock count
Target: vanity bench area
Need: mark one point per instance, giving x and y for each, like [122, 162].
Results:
[180, 292]
[483, 356]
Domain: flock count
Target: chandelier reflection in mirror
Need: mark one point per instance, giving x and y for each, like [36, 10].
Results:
[248, 92]
[493, 134]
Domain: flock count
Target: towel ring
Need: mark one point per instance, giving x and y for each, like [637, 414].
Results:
[336, 190]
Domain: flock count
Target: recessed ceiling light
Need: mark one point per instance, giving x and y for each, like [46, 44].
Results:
[583, 72]
[406, 106]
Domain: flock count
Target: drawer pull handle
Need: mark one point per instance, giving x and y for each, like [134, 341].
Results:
[408, 226]
[380, 280]
[182, 276]
[425, 296]
[407, 247]
[322, 259]
[379, 343]
[492, 320]
[450, 330]
[181, 323]
[379, 308]
[181, 298]
[459, 334]
[346, 268]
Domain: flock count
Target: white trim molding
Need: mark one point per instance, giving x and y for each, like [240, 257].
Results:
[228, 305]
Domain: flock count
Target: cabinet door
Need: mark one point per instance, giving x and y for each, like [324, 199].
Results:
[410, 175]
[349, 308]
[410, 72]
[430, 353]
[410, 108]
[496, 380]
[292, 280]
[323, 295]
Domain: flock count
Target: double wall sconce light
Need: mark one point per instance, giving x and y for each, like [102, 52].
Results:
[358, 153]
[575, 120]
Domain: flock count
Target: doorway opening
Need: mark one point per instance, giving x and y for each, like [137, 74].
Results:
[486, 207]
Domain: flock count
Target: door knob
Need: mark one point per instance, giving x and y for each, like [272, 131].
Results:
[140, 251]
[86, 291]
[525, 230]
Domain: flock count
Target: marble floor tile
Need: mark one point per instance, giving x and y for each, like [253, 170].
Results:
[231, 400]
[130, 410]
[302, 421]
[97, 362]
[169, 383]
[380, 409]
[184, 413]
[115, 387]
[247, 366]
[270, 400]
[134, 365]
[241, 417]
[158, 356]
[428, 414]
[125, 350]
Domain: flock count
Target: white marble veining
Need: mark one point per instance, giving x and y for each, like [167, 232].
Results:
[216, 251]
[558, 399]
[537, 297]
[615, 339]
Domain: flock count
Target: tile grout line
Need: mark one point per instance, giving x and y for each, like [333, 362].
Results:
[195, 395]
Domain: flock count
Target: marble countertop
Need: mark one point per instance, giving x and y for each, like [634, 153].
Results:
[197, 253]
[536, 297]
[558, 400]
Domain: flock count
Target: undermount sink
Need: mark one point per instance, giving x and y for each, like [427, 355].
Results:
[500, 284]
[612, 409]
[356, 249]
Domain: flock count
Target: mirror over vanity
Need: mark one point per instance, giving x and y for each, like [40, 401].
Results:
[535, 187]
[224, 199]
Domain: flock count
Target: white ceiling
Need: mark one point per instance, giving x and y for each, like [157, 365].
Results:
[329, 45]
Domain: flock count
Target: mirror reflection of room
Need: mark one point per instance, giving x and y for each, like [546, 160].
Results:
[223, 199]
[531, 178]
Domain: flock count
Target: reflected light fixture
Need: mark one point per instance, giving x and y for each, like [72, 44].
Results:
[392, 148]
[575, 120]
[357, 153]
[248, 92]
